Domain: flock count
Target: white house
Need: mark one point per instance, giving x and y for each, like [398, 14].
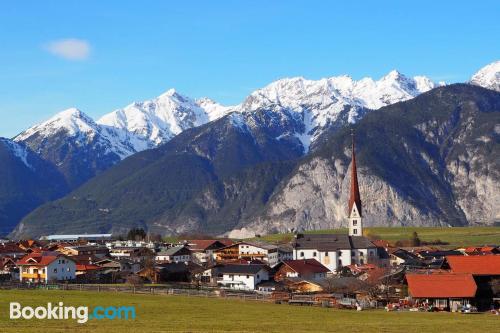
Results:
[243, 277]
[174, 254]
[46, 267]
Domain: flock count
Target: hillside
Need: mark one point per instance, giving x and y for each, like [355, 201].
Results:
[430, 161]
[26, 181]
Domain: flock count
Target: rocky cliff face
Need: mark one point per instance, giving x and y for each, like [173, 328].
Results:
[437, 165]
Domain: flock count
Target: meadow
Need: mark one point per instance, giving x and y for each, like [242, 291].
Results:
[160, 313]
[455, 237]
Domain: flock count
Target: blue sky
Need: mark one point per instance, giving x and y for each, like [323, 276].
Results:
[101, 55]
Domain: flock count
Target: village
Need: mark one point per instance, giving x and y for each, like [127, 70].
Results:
[344, 270]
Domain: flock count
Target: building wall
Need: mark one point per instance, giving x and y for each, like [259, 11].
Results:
[249, 281]
[61, 269]
[335, 259]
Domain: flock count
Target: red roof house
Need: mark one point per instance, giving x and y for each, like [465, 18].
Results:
[303, 268]
[475, 265]
[441, 285]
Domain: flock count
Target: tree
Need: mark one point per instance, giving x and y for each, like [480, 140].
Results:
[415, 241]
[136, 234]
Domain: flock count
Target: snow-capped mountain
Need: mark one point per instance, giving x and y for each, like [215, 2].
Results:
[301, 111]
[76, 145]
[74, 124]
[156, 121]
[334, 101]
[488, 76]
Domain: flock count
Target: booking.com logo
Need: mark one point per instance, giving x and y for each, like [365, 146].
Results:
[81, 313]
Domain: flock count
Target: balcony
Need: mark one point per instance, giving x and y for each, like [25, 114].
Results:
[36, 276]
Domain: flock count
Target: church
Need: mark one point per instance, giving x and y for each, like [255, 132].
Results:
[337, 250]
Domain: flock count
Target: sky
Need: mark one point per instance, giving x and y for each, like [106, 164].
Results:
[102, 55]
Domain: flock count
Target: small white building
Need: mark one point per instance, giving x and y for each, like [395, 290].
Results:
[43, 267]
[243, 276]
[174, 254]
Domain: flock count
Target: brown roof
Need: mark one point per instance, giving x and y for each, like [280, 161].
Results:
[203, 244]
[354, 196]
[442, 285]
[40, 258]
[306, 266]
[475, 265]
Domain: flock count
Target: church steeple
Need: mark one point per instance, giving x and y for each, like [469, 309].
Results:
[355, 215]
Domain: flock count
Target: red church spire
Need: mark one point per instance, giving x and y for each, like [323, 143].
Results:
[354, 197]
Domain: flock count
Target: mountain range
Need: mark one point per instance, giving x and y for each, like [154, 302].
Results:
[276, 129]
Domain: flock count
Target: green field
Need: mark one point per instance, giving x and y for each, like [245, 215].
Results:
[157, 313]
[456, 237]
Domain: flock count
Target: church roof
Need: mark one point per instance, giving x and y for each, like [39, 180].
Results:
[354, 196]
[331, 242]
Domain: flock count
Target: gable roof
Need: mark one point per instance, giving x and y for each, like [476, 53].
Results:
[475, 265]
[442, 285]
[242, 269]
[331, 242]
[204, 244]
[306, 266]
[176, 250]
[40, 258]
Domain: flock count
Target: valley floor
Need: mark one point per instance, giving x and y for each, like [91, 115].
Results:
[454, 237]
[157, 313]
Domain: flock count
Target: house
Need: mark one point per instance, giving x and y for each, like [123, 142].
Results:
[444, 291]
[46, 267]
[137, 254]
[401, 257]
[174, 254]
[12, 250]
[478, 251]
[88, 250]
[255, 250]
[210, 275]
[334, 250]
[304, 269]
[243, 277]
[203, 249]
[486, 272]
[475, 265]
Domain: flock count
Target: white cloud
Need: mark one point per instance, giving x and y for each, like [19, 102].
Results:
[71, 48]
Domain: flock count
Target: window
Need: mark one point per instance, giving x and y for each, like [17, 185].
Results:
[248, 276]
[340, 262]
[55, 270]
[353, 253]
[301, 254]
[258, 276]
[361, 254]
[314, 254]
[355, 231]
[354, 222]
[340, 253]
[326, 254]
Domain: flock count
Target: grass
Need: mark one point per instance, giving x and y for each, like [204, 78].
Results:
[456, 237]
[190, 314]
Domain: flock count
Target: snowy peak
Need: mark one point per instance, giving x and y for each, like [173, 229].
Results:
[73, 121]
[156, 121]
[296, 92]
[488, 76]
